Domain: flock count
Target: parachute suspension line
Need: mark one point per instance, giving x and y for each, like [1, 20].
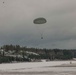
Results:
[41, 36]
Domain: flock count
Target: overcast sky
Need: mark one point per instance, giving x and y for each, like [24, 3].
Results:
[17, 27]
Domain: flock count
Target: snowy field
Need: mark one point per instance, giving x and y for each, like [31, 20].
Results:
[38, 68]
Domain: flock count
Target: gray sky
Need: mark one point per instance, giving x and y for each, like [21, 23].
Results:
[16, 23]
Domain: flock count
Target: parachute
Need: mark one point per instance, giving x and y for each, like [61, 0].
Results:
[40, 21]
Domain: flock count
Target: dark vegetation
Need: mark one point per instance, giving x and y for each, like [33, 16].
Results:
[12, 53]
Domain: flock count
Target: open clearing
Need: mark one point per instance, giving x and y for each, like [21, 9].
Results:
[39, 68]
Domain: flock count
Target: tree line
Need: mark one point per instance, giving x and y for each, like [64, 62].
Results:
[51, 54]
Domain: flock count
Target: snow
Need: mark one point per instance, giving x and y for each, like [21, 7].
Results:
[36, 66]
[32, 53]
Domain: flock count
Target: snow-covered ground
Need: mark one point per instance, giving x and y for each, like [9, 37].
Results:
[43, 67]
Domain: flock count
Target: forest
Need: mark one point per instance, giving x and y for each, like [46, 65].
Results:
[17, 53]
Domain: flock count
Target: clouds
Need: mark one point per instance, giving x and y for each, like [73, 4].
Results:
[16, 23]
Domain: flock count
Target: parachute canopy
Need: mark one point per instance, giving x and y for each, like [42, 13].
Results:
[39, 21]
